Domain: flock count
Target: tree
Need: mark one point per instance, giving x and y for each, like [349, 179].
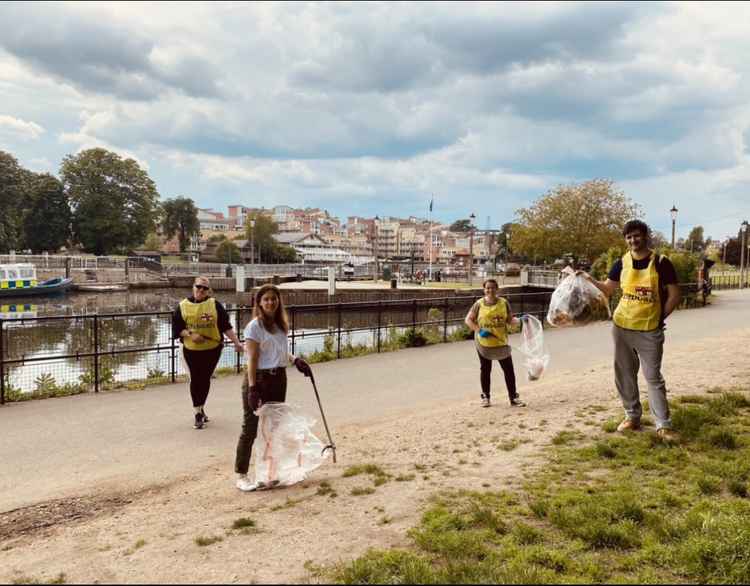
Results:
[46, 218]
[153, 242]
[114, 201]
[583, 220]
[461, 226]
[13, 180]
[180, 216]
[228, 252]
[695, 239]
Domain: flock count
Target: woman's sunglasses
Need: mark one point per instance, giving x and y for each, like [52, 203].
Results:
[202, 287]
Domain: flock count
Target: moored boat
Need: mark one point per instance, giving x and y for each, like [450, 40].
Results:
[19, 280]
[100, 287]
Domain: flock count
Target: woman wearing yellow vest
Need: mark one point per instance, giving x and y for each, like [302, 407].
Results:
[200, 322]
[649, 294]
[489, 318]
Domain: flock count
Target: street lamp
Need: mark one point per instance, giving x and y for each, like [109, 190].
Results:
[376, 247]
[472, 217]
[673, 212]
[743, 244]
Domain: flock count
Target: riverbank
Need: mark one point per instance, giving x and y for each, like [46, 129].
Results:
[154, 499]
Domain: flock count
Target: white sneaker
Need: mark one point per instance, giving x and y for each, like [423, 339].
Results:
[485, 401]
[244, 484]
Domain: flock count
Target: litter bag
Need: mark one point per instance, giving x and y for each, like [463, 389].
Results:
[536, 356]
[285, 451]
[575, 302]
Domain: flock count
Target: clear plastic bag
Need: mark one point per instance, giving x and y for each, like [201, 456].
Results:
[575, 302]
[536, 356]
[285, 450]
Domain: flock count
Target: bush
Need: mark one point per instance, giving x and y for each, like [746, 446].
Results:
[413, 338]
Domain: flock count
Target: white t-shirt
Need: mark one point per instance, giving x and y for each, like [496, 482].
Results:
[274, 348]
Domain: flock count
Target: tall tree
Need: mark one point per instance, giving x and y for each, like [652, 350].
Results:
[180, 216]
[228, 252]
[13, 182]
[583, 220]
[114, 201]
[695, 240]
[46, 223]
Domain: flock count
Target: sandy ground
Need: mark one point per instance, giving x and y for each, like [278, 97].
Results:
[149, 536]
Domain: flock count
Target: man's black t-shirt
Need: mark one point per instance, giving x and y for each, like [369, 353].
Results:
[665, 270]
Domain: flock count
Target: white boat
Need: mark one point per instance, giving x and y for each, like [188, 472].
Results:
[101, 287]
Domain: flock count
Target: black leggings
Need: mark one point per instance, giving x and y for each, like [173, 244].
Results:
[510, 376]
[271, 388]
[201, 364]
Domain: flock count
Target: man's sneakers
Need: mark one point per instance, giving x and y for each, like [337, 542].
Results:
[629, 425]
[200, 420]
[485, 400]
[244, 484]
[516, 402]
[205, 417]
[668, 436]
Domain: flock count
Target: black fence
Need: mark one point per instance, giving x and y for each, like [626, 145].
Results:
[60, 355]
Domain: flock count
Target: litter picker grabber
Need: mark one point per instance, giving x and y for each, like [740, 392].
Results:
[331, 446]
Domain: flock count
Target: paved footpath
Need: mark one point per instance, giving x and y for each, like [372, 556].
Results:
[132, 439]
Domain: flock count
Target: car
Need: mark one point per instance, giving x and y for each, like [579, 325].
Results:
[510, 269]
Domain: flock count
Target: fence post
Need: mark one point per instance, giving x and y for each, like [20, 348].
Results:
[414, 314]
[237, 331]
[294, 311]
[445, 321]
[338, 348]
[379, 316]
[96, 353]
[2, 365]
[173, 356]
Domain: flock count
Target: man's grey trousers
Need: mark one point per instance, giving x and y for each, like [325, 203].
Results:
[633, 349]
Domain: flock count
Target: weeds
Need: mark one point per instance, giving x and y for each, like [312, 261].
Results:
[206, 541]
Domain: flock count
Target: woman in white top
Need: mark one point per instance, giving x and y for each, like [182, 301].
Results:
[267, 353]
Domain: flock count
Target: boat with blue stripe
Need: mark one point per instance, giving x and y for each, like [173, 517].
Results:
[19, 280]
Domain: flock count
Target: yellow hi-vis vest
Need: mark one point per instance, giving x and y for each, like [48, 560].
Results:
[640, 306]
[493, 318]
[203, 319]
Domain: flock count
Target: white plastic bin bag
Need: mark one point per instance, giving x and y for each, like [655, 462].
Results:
[285, 450]
[575, 302]
[536, 356]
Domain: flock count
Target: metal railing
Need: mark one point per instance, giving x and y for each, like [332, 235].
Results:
[99, 351]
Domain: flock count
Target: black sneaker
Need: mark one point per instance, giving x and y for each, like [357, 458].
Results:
[516, 402]
[205, 417]
[199, 420]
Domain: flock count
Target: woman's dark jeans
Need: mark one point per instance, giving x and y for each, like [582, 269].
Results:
[272, 387]
[510, 376]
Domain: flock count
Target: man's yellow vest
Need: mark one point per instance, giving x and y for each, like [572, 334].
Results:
[203, 319]
[493, 318]
[640, 306]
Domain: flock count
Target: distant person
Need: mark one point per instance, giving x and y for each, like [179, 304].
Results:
[489, 318]
[200, 322]
[267, 353]
[649, 294]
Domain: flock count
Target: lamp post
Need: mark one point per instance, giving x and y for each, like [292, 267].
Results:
[376, 247]
[471, 247]
[252, 241]
[743, 239]
[673, 213]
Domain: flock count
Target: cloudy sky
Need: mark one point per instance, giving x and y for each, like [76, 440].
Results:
[371, 108]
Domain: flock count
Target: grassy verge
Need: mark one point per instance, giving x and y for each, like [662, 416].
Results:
[612, 508]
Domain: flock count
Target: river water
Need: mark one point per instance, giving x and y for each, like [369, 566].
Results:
[66, 329]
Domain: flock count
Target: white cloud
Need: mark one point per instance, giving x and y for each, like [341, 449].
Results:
[16, 128]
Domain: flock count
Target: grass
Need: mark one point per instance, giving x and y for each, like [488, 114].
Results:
[206, 541]
[379, 476]
[613, 508]
[362, 490]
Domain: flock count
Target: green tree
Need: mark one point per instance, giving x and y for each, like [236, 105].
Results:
[461, 226]
[46, 218]
[228, 252]
[180, 216]
[695, 242]
[114, 201]
[13, 185]
[153, 242]
[580, 219]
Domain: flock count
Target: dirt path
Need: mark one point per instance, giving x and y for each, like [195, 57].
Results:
[149, 535]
